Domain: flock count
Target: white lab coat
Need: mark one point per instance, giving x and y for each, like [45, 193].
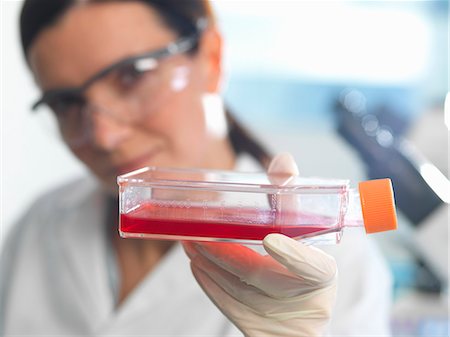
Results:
[57, 270]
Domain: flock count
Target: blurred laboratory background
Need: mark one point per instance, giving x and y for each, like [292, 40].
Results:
[354, 90]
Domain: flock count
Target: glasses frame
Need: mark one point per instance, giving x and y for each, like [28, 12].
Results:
[180, 46]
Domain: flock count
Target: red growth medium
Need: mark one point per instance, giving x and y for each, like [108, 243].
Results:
[228, 223]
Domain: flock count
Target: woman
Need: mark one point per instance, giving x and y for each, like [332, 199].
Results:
[127, 81]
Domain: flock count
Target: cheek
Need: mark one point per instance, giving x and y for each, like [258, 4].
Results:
[182, 123]
[191, 134]
[89, 157]
[98, 165]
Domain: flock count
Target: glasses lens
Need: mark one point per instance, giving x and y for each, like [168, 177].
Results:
[137, 92]
[145, 86]
[68, 111]
[129, 81]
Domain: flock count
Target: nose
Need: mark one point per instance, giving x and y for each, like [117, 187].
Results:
[106, 131]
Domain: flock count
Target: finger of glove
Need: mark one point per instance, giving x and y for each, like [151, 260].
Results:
[282, 168]
[236, 311]
[189, 249]
[251, 268]
[312, 303]
[252, 324]
[282, 172]
[307, 262]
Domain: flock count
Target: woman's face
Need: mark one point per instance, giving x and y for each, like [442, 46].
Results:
[91, 37]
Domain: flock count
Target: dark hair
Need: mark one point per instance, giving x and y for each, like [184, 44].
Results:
[180, 15]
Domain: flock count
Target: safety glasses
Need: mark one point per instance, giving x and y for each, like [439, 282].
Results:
[137, 86]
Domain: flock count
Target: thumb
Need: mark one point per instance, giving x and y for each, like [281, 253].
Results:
[282, 170]
[284, 164]
[308, 262]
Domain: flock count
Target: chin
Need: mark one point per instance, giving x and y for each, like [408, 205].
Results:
[109, 185]
[111, 190]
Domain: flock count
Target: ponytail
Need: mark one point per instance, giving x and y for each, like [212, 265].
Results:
[243, 142]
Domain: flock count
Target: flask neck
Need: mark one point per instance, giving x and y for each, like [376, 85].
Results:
[353, 216]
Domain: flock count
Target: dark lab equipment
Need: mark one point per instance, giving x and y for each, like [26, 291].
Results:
[377, 137]
[386, 153]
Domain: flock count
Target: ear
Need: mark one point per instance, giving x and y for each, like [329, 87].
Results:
[210, 52]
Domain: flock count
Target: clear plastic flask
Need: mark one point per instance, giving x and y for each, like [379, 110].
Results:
[212, 205]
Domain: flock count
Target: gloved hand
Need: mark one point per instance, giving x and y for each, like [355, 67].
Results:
[289, 292]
